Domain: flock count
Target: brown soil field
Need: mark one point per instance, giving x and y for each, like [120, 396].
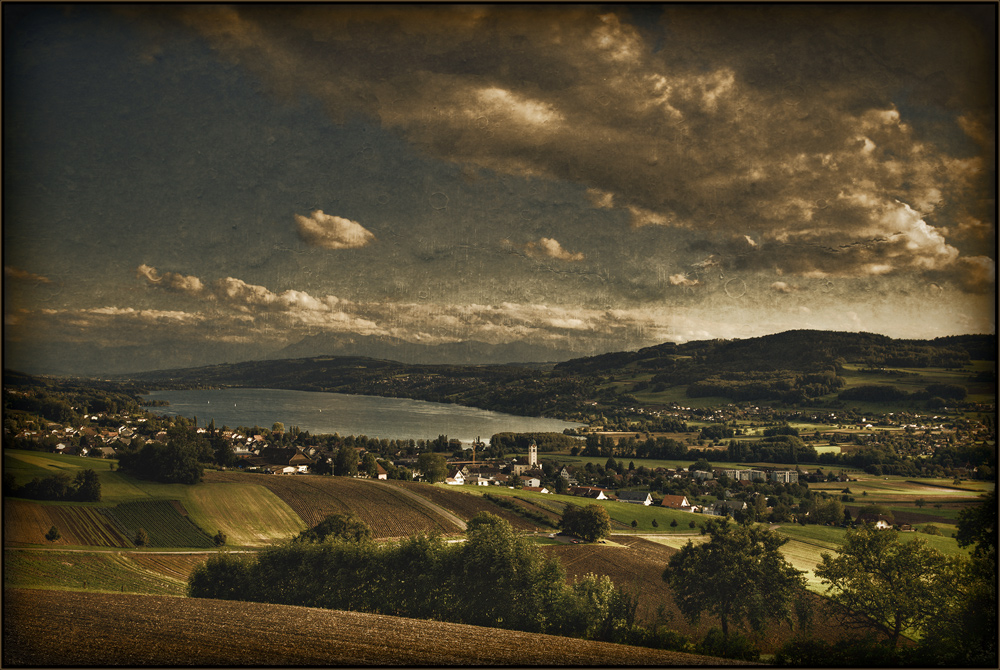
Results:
[638, 568]
[465, 505]
[26, 522]
[52, 628]
[389, 513]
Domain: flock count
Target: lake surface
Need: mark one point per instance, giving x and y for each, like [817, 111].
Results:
[389, 418]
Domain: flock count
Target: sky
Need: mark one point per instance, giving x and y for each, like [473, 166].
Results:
[193, 184]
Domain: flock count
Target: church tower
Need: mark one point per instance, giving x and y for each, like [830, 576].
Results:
[533, 454]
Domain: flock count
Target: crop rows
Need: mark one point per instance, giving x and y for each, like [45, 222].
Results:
[161, 520]
[134, 630]
[465, 505]
[27, 523]
[97, 571]
[389, 513]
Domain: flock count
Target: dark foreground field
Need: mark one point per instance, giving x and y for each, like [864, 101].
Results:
[61, 628]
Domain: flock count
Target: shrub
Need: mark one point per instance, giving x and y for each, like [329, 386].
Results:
[735, 646]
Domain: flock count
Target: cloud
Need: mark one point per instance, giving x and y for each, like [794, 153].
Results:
[550, 248]
[170, 281]
[331, 232]
[783, 287]
[783, 127]
[682, 280]
[24, 275]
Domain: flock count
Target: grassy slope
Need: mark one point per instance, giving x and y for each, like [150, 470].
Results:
[76, 571]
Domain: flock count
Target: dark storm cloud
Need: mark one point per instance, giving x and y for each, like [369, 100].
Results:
[800, 125]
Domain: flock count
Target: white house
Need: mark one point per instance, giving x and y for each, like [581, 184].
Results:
[635, 497]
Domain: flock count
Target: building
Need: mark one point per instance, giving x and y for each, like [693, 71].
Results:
[676, 502]
[784, 476]
[635, 497]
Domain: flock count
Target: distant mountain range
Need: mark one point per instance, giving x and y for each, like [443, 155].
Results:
[468, 352]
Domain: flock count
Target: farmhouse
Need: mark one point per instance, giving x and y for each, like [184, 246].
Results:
[635, 497]
[879, 521]
[676, 502]
[590, 492]
[456, 477]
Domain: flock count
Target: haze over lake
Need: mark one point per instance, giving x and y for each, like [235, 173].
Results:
[390, 418]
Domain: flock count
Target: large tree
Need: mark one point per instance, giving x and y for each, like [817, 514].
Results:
[739, 575]
[876, 579]
[590, 523]
[337, 527]
[433, 466]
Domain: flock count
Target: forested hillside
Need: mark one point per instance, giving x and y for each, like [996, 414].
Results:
[790, 367]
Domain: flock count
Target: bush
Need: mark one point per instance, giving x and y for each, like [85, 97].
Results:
[735, 646]
[931, 529]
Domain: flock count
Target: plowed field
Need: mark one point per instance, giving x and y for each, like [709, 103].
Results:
[466, 505]
[27, 522]
[389, 512]
[48, 628]
[638, 567]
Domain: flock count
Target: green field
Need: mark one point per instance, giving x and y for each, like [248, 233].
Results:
[163, 523]
[249, 514]
[72, 571]
[622, 514]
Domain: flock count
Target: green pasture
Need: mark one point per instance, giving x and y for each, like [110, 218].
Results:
[98, 571]
[620, 512]
[249, 514]
[27, 465]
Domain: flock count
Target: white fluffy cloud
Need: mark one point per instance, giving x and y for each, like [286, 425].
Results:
[171, 281]
[550, 248]
[332, 232]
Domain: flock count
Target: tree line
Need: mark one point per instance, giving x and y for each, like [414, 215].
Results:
[496, 578]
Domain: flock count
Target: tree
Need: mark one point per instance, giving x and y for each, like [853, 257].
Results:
[337, 526]
[590, 523]
[739, 575]
[434, 467]
[977, 526]
[220, 539]
[141, 538]
[88, 486]
[878, 580]
[53, 534]
[278, 427]
[963, 630]
[369, 465]
[919, 502]
[345, 463]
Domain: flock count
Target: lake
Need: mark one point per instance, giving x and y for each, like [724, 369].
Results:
[389, 418]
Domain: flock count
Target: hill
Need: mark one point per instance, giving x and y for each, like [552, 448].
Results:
[791, 367]
[138, 630]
